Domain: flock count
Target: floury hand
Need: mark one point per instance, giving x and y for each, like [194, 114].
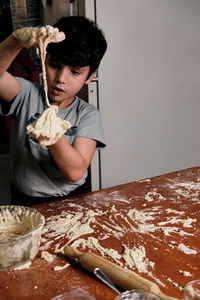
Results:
[32, 36]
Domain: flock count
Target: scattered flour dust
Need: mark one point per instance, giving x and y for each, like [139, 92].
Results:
[152, 196]
[186, 249]
[142, 217]
[186, 189]
[71, 225]
[174, 283]
[188, 185]
[79, 226]
[185, 273]
[144, 180]
[59, 268]
[93, 243]
[173, 220]
[46, 256]
[49, 258]
[117, 197]
[136, 257]
[169, 211]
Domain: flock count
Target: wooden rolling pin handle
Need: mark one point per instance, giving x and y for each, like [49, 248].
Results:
[72, 252]
[125, 279]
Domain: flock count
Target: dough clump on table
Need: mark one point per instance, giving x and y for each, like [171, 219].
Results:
[48, 128]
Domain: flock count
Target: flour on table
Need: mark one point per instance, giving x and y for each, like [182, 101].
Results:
[93, 243]
[187, 189]
[113, 209]
[60, 268]
[173, 220]
[185, 273]
[174, 283]
[136, 215]
[152, 196]
[186, 249]
[188, 222]
[136, 257]
[140, 220]
[182, 232]
[78, 227]
[117, 197]
[47, 256]
[111, 227]
[167, 230]
[144, 180]
[71, 225]
[46, 243]
[189, 185]
[169, 210]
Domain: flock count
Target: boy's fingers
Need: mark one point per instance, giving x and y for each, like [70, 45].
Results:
[29, 36]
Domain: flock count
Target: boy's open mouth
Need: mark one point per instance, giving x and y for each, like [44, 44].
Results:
[57, 91]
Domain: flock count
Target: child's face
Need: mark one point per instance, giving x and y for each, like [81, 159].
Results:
[64, 81]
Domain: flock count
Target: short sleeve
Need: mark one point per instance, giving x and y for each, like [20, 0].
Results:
[90, 126]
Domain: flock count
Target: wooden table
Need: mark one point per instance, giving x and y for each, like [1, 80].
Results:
[160, 213]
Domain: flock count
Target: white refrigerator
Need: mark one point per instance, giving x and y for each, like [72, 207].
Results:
[147, 88]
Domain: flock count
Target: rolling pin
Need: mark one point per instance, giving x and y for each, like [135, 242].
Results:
[125, 279]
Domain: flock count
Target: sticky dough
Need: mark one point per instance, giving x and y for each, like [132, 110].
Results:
[48, 128]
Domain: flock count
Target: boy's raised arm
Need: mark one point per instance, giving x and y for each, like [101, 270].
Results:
[9, 48]
[9, 86]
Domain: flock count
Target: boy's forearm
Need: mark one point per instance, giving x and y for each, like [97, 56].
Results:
[9, 49]
[70, 162]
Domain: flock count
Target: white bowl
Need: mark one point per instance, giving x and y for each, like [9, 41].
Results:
[20, 234]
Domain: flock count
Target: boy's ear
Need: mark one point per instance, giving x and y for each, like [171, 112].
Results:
[90, 78]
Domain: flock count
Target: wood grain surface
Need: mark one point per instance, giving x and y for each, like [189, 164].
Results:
[169, 200]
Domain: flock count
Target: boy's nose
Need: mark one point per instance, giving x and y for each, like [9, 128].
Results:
[61, 76]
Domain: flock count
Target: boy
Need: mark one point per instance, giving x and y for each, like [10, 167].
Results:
[39, 174]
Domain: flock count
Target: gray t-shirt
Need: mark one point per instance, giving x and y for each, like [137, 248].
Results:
[33, 171]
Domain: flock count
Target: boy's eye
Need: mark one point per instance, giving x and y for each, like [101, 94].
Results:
[75, 72]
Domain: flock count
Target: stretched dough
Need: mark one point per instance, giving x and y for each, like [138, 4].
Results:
[48, 128]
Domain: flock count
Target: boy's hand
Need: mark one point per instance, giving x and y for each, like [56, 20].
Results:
[48, 128]
[32, 36]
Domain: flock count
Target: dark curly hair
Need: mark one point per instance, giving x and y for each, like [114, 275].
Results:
[85, 44]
